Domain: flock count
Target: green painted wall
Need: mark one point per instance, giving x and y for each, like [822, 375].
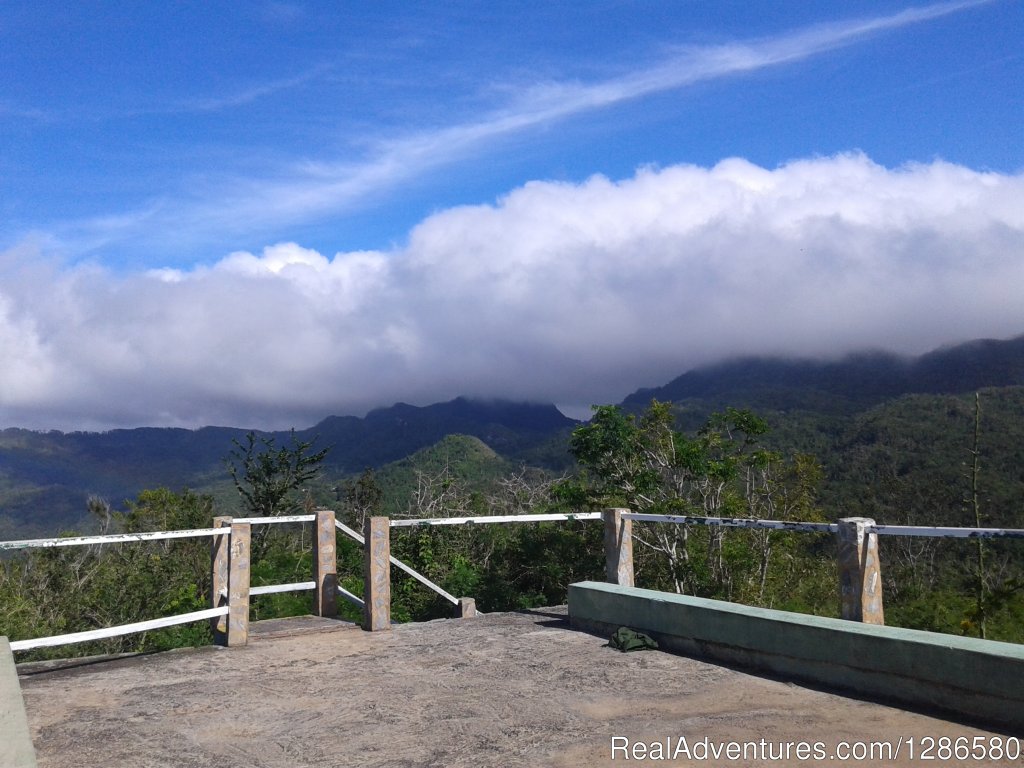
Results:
[16, 749]
[968, 677]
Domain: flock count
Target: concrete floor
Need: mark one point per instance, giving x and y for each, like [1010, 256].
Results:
[506, 689]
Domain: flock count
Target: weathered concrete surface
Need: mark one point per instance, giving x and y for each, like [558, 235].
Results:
[497, 690]
[965, 676]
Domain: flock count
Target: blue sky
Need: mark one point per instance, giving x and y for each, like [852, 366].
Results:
[206, 207]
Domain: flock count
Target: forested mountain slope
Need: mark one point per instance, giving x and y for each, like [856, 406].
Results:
[884, 427]
[46, 478]
[847, 385]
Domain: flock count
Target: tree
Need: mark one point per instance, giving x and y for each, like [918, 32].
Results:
[778, 490]
[361, 498]
[268, 477]
[646, 464]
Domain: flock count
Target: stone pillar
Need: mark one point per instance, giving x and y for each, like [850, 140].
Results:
[860, 572]
[238, 584]
[377, 574]
[618, 547]
[467, 607]
[325, 566]
[219, 555]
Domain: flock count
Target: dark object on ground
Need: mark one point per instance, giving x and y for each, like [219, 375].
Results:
[626, 639]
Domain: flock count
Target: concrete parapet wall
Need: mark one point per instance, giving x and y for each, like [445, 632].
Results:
[968, 677]
[16, 749]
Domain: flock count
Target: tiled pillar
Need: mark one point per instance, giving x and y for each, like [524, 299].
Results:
[377, 574]
[238, 584]
[219, 555]
[325, 566]
[860, 572]
[618, 547]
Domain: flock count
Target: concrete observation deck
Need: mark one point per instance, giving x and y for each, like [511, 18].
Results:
[508, 689]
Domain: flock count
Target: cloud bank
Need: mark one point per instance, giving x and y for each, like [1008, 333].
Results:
[570, 293]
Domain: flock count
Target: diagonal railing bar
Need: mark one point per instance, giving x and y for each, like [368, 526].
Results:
[399, 564]
[354, 599]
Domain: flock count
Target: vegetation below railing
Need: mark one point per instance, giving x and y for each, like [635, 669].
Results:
[642, 462]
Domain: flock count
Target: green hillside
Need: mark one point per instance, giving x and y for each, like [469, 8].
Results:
[47, 478]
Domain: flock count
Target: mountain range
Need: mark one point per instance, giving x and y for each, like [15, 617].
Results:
[848, 384]
[46, 477]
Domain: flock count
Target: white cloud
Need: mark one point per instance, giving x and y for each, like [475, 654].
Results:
[572, 293]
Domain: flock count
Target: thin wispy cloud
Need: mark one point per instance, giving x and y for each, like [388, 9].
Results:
[241, 97]
[297, 194]
[245, 95]
[24, 113]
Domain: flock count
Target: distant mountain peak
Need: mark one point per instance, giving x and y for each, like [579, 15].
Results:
[858, 379]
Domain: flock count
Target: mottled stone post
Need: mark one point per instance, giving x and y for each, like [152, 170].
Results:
[325, 566]
[467, 607]
[860, 572]
[219, 555]
[238, 584]
[618, 547]
[377, 574]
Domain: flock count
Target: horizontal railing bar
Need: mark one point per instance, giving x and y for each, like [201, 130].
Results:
[271, 589]
[495, 519]
[124, 629]
[950, 533]
[881, 530]
[350, 597]
[399, 564]
[734, 522]
[114, 538]
[270, 520]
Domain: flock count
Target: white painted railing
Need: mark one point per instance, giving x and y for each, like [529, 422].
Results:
[271, 589]
[785, 525]
[124, 629]
[168, 621]
[733, 522]
[354, 599]
[615, 543]
[113, 538]
[485, 519]
[860, 576]
[399, 564]
[948, 533]
[377, 613]
[479, 520]
[272, 520]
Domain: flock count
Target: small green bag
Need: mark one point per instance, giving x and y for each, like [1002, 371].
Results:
[626, 639]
